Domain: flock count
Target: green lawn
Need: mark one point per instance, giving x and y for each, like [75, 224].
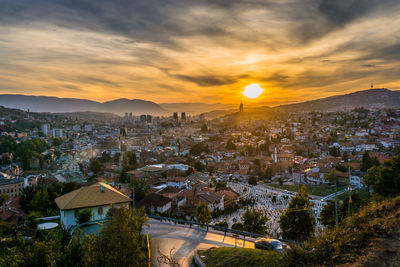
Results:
[240, 257]
[316, 190]
[361, 192]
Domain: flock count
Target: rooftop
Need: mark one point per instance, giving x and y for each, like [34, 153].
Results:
[94, 195]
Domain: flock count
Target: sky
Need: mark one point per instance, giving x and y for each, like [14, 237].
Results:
[198, 51]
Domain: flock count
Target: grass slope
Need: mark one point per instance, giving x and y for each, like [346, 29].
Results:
[240, 257]
[358, 237]
[368, 238]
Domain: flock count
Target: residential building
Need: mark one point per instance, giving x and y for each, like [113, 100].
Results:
[98, 197]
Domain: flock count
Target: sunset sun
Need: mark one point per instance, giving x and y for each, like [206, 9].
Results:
[253, 91]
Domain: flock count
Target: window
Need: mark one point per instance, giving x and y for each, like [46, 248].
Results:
[100, 210]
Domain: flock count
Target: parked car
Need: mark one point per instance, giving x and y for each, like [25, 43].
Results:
[270, 244]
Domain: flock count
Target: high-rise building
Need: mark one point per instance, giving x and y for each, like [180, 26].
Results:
[57, 132]
[175, 116]
[183, 116]
[143, 119]
[241, 107]
[149, 118]
[123, 132]
[45, 129]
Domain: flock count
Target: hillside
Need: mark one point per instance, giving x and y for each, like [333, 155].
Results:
[60, 105]
[368, 98]
[89, 116]
[369, 238]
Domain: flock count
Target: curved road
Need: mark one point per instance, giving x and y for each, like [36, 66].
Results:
[180, 241]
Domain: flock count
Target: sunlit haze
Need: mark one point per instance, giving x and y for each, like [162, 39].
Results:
[253, 91]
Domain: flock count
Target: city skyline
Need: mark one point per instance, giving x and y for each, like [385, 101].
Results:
[202, 51]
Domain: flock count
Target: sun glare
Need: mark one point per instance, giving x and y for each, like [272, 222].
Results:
[252, 91]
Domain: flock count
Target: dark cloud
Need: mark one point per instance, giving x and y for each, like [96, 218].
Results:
[162, 21]
[210, 80]
[341, 12]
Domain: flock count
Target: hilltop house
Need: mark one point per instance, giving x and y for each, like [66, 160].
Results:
[98, 197]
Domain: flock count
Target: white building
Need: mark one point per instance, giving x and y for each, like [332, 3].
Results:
[98, 197]
[57, 132]
[46, 129]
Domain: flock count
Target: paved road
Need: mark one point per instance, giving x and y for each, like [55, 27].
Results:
[184, 240]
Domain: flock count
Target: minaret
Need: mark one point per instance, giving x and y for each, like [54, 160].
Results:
[372, 85]
[276, 155]
[241, 107]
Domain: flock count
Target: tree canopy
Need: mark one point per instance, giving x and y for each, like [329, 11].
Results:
[120, 242]
[297, 223]
[203, 213]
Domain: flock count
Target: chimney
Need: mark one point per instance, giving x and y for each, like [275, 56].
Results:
[101, 188]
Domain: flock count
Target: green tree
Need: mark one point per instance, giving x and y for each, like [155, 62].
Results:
[387, 182]
[222, 224]
[238, 226]
[367, 162]
[32, 219]
[255, 221]
[4, 198]
[199, 166]
[269, 172]
[204, 128]
[96, 166]
[199, 148]
[84, 216]
[297, 223]
[328, 212]
[116, 157]
[74, 253]
[69, 187]
[230, 145]
[203, 213]
[334, 151]
[140, 187]
[56, 141]
[46, 252]
[220, 184]
[119, 243]
[345, 156]
[252, 180]
[129, 161]
[371, 177]
[13, 257]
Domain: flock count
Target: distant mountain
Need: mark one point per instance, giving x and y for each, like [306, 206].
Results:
[368, 98]
[60, 105]
[194, 108]
[89, 115]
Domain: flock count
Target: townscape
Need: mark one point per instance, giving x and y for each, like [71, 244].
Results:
[171, 165]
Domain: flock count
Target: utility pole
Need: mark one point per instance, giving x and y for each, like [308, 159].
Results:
[133, 196]
[350, 200]
[336, 205]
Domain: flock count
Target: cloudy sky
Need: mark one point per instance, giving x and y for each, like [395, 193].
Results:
[198, 51]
